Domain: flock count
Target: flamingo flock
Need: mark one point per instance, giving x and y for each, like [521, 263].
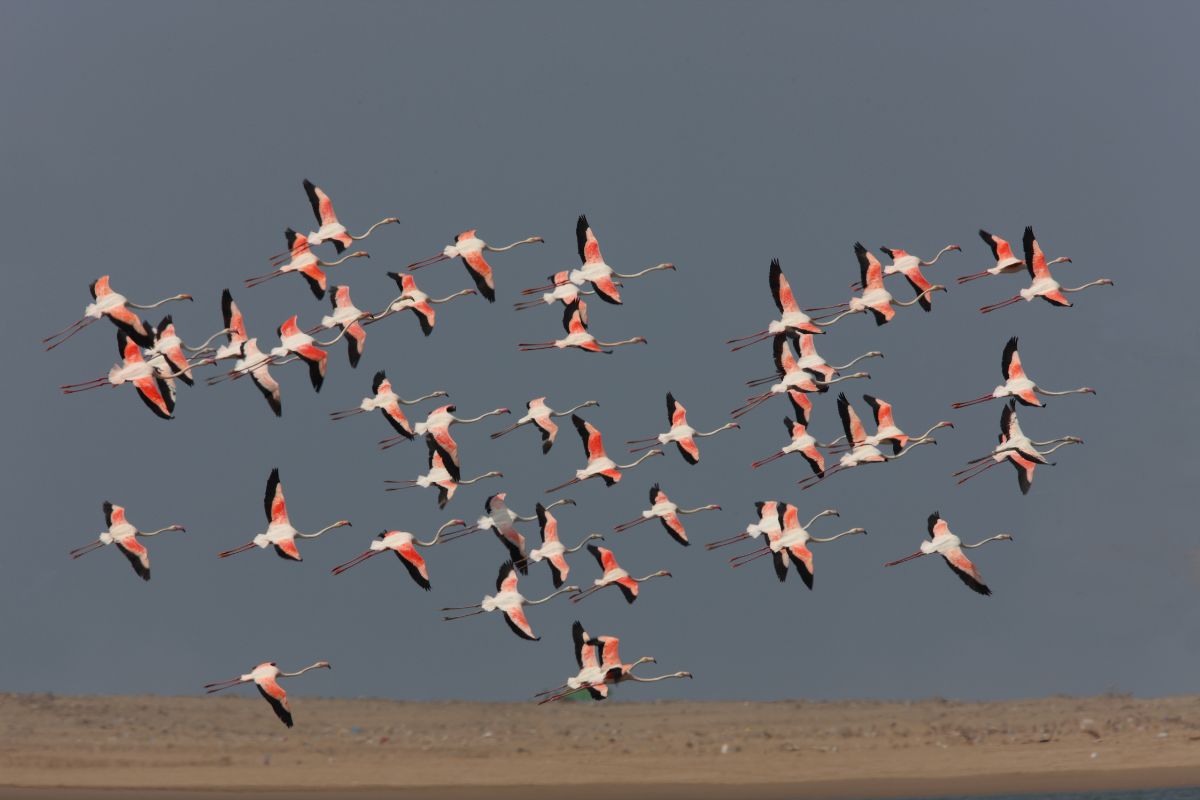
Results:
[154, 357]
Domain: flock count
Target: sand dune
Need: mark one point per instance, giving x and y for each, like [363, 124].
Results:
[167, 746]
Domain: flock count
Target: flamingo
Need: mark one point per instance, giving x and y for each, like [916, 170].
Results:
[598, 464]
[235, 329]
[502, 521]
[350, 319]
[770, 524]
[1006, 262]
[950, 547]
[442, 473]
[404, 545]
[666, 512]
[795, 382]
[385, 399]
[542, 417]
[151, 385]
[886, 429]
[553, 551]
[509, 602]
[438, 423]
[792, 545]
[793, 320]
[1043, 284]
[909, 266]
[107, 303]
[860, 451]
[615, 575]
[170, 348]
[279, 534]
[1017, 384]
[600, 665]
[808, 359]
[802, 443]
[266, 677]
[304, 261]
[413, 299]
[330, 229]
[594, 270]
[470, 248]
[564, 291]
[124, 535]
[575, 323]
[1017, 449]
[681, 433]
[875, 297]
[253, 362]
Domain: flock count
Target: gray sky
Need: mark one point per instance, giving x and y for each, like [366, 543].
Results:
[165, 144]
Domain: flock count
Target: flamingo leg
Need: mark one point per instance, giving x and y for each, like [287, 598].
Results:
[427, 262]
[579, 596]
[763, 461]
[236, 550]
[571, 482]
[74, 328]
[753, 341]
[977, 473]
[624, 526]
[81, 551]
[983, 398]
[746, 558]
[1001, 304]
[724, 542]
[973, 276]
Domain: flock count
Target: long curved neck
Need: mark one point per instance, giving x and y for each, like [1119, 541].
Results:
[931, 430]
[481, 477]
[916, 299]
[160, 530]
[835, 537]
[640, 460]
[941, 252]
[841, 378]
[916, 443]
[419, 399]
[326, 529]
[530, 240]
[643, 272]
[695, 510]
[997, 537]
[481, 416]
[154, 305]
[724, 427]
[317, 665]
[634, 340]
[1060, 444]
[204, 345]
[340, 260]
[849, 364]
[632, 677]
[651, 576]
[450, 297]
[373, 227]
[1080, 390]
[564, 590]
[572, 410]
[1101, 282]
[437, 536]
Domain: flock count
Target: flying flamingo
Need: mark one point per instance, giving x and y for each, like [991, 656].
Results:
[666, 512]
[1006, 262]
[594, 270]
[1017, 384]
[388, 402]
[350, 319]
[792, 545]
[910, 267]
[553, 551]
[575, 323]
[438, 423]
[266, 678]
[564, 292]
[875, 297]
[279, 534]
[413, 299]
[542, 417]
[470, 248]
[808, 359]
[802, 443]
[860, 452]
[681, 433]
[170, 347]
[404, 545]
[294, 344]
[795, 382]
[950, 547]
[886, 429]
[509, 602]
[107, 303]
[502, 521]
[615, 575]
[121, 533]
[253, 362]
[598, 464]
[1043, 284]
[151, 385]
[330, 229]
[600, 666]
[442, 473]
[793, 319]
[1017, 449]
[304, 261]
[770, 523]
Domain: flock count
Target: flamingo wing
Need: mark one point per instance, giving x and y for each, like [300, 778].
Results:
[802, 558]
[785, 359]
[287, 550]
[593, 442]
[273, 501]
[111, 512]
[936, 525]
[415, 565]
[231, 315]
[549, 431]
[1010, 361]
[378, 381]
[137, 554]
[356, 339]
[1025, 468]
[869, 268]
[607, 289]
[515, 617]
[916, 279]
[957, 560]
[780, 559]
[322, 206]
[316, 279]
[316, 359]
[1035, 259]
[604, 557]
[585, 646]
[628, 587]
[506, 580]
[559, 569]
[781, 290]
[585, 239]
[676, 413]
[514, 543]
[547, 524]
[395, 417]
[266, 383]
[274, 694]
[674, 528]
[801, 405]
[689, 450]
[157, 395]
[994, 243]
[481, 273]
[851, 424]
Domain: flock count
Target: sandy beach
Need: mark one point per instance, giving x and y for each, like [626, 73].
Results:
[184, 747]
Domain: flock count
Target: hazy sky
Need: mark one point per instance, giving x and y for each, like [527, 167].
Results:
[165, 144]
